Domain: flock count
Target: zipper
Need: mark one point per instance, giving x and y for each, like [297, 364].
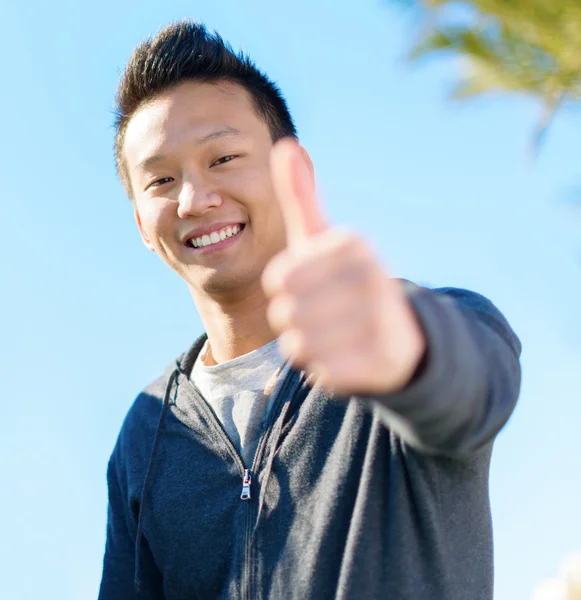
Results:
[246, 483]
[246, 493]
[275, 410]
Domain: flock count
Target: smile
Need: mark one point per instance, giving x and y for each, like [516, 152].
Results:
[215, 237]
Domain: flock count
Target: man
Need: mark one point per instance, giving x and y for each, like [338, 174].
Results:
[330, 435]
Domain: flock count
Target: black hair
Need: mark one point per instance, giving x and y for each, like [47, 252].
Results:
[186, 51]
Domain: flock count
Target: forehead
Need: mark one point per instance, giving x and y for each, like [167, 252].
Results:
[190, 110]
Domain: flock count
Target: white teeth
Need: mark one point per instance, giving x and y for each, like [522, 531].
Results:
[215, 236]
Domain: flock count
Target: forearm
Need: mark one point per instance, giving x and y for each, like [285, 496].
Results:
[468, 387]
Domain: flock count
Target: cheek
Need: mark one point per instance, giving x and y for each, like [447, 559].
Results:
[261, 202]
[155, 221]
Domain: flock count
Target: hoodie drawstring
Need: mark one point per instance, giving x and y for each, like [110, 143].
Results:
[152, 457]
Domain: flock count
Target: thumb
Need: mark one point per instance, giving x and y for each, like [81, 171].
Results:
[294, 186]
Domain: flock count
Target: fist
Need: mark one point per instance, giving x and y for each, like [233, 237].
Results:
[337, 313]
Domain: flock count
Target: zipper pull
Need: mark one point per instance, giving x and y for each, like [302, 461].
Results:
[246, 481]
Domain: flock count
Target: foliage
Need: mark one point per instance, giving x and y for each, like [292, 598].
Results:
[530, 47]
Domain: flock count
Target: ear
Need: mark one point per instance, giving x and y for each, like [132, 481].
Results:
[144, 237]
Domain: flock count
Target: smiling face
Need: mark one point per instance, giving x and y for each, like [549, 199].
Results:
[197, 157]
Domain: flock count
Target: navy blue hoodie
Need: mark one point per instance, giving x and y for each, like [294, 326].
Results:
[347, 498]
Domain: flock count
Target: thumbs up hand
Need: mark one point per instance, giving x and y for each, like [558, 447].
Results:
[339, 316]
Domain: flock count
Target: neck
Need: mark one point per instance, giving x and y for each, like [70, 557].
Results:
[235, 325]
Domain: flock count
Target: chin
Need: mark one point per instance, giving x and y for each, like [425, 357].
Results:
[215, 283]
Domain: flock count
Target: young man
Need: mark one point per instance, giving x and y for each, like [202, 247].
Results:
[330, 435]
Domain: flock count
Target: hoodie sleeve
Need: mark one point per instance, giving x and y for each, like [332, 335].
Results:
[117, 582]
[469, 381]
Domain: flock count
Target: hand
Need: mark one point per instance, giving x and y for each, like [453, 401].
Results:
[336, 311]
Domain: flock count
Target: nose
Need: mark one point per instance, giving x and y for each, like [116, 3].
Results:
[195, 199]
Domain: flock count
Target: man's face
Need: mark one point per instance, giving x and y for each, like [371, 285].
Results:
[198, 162]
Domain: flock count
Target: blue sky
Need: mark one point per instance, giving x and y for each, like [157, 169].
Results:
[88, 317]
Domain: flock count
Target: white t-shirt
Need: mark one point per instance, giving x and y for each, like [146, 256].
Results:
[239, 391]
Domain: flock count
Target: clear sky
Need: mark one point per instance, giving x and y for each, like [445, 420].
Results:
[88, 317]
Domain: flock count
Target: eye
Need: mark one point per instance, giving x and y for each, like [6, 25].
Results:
[159, 182]
[223, 160]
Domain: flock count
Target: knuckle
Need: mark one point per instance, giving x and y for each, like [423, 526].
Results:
[293, 279]
[344, 240]
[359, 275]
[292, 342]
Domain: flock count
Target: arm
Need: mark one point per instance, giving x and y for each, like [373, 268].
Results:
[119, 562]
[342, 318]
[469, 382]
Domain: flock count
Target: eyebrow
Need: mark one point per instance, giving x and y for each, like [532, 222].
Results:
[217, 134]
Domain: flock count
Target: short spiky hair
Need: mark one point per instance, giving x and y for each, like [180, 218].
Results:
[186, 51]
